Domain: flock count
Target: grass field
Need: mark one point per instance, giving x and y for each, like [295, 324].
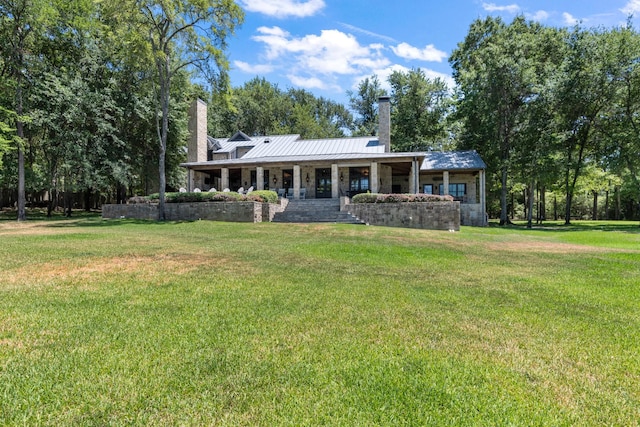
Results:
[203, 323]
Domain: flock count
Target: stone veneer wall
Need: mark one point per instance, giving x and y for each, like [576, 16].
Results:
[432, 216]
[471, 214]
[213, 211]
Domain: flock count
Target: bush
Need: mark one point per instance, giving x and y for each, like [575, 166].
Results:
[399, 198]
[221, 196]
[264, 196]
[137, 200]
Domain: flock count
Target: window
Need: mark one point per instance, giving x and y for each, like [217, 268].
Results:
[428, 189]
[358, 180]
[456, 190]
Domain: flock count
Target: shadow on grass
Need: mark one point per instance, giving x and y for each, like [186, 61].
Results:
[632, 227]
[79, 218]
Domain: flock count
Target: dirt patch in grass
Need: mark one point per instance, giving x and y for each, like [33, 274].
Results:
[93, 270]
[548, 247]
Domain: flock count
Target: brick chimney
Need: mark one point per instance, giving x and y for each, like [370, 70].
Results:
[197, 148]
[384, 122]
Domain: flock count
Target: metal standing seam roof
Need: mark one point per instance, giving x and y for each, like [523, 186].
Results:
[228, 146]
[311, 147]
[450, 160]
[290, 148]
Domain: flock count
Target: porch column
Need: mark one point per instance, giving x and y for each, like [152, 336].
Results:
[224, 178]
[374, 180]
[445, 182]
[416, 175]
[335, 182]
[260, 178]
[483, 197]
[296, 181]
[190, 183]
[413, 178]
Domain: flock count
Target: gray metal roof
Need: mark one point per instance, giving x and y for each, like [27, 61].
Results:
[280, 147]
[275, 149]
[450, 160]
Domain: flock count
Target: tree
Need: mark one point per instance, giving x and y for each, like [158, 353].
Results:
[498, 71]
[584, 89]
[419, 109]
[364, 103]
[620, 126]
[184, 34]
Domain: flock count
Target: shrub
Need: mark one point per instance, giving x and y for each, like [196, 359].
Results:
[399, 198]
[137, 200]
[264, 196]
[221, 196]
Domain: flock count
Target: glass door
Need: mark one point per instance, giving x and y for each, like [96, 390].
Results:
[323, 183]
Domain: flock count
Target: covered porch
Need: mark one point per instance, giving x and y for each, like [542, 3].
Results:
[313, 178]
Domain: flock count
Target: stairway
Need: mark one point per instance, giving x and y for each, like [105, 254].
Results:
[315, 210]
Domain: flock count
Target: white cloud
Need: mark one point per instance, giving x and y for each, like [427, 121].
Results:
[253, 69]
[429, 53]
[492, 7]
[368, 33]
[569, 19]
[284, 8]
[631, 8]
[541, 15]
[312, 83]
[331, 52]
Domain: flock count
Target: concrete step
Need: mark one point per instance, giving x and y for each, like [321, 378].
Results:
[315, 210]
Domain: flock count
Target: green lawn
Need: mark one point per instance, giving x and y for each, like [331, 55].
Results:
[205, 323]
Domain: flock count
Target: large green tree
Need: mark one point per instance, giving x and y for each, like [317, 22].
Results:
[364, 103]
[183, 34]
[419, 110]
[500, 71]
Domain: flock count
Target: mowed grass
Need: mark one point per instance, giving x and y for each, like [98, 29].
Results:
[204, 323]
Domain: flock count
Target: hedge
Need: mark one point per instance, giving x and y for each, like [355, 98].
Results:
[261, 196]
[399, 198]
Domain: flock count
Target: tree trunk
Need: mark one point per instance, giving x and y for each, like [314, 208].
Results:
[504, 217]
[594, 215]
[617, 203]
[530, 203]
[606, 205]
[555, 207]
[22, 198]
[163, 130]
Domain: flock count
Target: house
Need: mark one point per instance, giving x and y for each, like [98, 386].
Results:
[332, 168]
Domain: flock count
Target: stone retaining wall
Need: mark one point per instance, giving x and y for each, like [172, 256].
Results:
[426, 215]
[213, 211]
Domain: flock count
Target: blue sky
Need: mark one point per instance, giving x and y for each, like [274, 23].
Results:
[328, 46]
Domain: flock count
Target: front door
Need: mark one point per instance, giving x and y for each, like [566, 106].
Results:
[287, 179]
[323, 183]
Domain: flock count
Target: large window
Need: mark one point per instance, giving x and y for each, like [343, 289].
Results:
[456, 190]
[358, 180]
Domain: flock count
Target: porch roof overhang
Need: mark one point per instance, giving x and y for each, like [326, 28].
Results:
[452, 161]
[319, 158]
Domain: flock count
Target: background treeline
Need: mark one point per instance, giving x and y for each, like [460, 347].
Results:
[554, 112]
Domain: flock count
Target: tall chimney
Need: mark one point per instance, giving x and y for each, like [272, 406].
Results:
[197, 148]
[384, 122]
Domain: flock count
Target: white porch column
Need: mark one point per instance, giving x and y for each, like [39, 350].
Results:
[224, 178]
[445, 182]
[374, 180]
[416, 175]
[335, 182]
[414, 187]
[483, 197]
[296, 181]
[260, 178]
